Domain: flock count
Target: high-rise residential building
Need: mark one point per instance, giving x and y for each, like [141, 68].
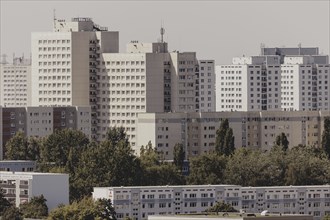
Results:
[206, 86]
[15, 83]
[256, 130]
[305, 85]
[290, 79]
[249, 84]
[42, 121]
[65, 63]
[145, 79]
[20, 187]
[139, 202]
[79, 64]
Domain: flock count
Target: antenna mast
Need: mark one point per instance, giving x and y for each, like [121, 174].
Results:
[162, 32]
[54, 16]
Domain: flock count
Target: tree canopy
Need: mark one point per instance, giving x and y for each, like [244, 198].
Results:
[225, 141]
[86, 208]
[282, 141]
[35, 208]
[326, 136]
[4, 203]
[221, 207]
[178, 156]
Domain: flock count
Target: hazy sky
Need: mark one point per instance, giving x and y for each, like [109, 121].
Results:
[216, 30]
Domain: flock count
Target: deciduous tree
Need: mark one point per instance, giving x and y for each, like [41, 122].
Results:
[86, 208]
[221, 207]
[35, 208]
[207, 169]
[326, 136]
[282, 141]
[12, 213]
[4, 203]
[225, 141]
[178, 155]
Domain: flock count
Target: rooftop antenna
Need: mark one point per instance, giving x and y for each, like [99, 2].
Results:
[162, 32]
[54, 16]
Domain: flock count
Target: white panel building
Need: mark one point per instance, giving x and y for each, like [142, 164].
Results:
[15, 83]
[249, 84]
[79, 64]
[20, 187]
[289, 79]
[140, 202]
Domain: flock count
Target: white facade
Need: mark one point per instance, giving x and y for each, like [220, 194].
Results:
[283, 79]
[63, 64]
[140, 202]
[20, 187]
[206, 86]
[249, 84]
[305, 86]
[258, 130]
[15, 83]
[79, 64]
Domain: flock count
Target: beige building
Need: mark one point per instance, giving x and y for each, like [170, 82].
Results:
[15, 83]
[145, 79]
[65, 64]
[206, 86]
[79, 64]
[42, 121]
[258, 130]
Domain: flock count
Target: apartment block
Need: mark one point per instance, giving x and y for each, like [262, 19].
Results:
[141, 202]
[206, 86]
[18, 165]
[289, 79]
[145, 79]
[20, 187]
[257, 130]
[15, 83]
[79, 64]
[42, 121]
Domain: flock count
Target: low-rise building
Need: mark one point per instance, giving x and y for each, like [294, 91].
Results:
[258, 130]
[20, 187]
[18, 165]
[141, 202]
[42, 121]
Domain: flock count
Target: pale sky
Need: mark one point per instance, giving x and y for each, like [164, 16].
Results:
[216, 30]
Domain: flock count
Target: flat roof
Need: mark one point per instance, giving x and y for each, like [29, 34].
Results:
[202, 186]
[17, 161]
[31, 173]
[167, 186]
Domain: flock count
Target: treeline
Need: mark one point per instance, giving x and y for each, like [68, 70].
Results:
[89, 164]
[36, 208]
[113, 163]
